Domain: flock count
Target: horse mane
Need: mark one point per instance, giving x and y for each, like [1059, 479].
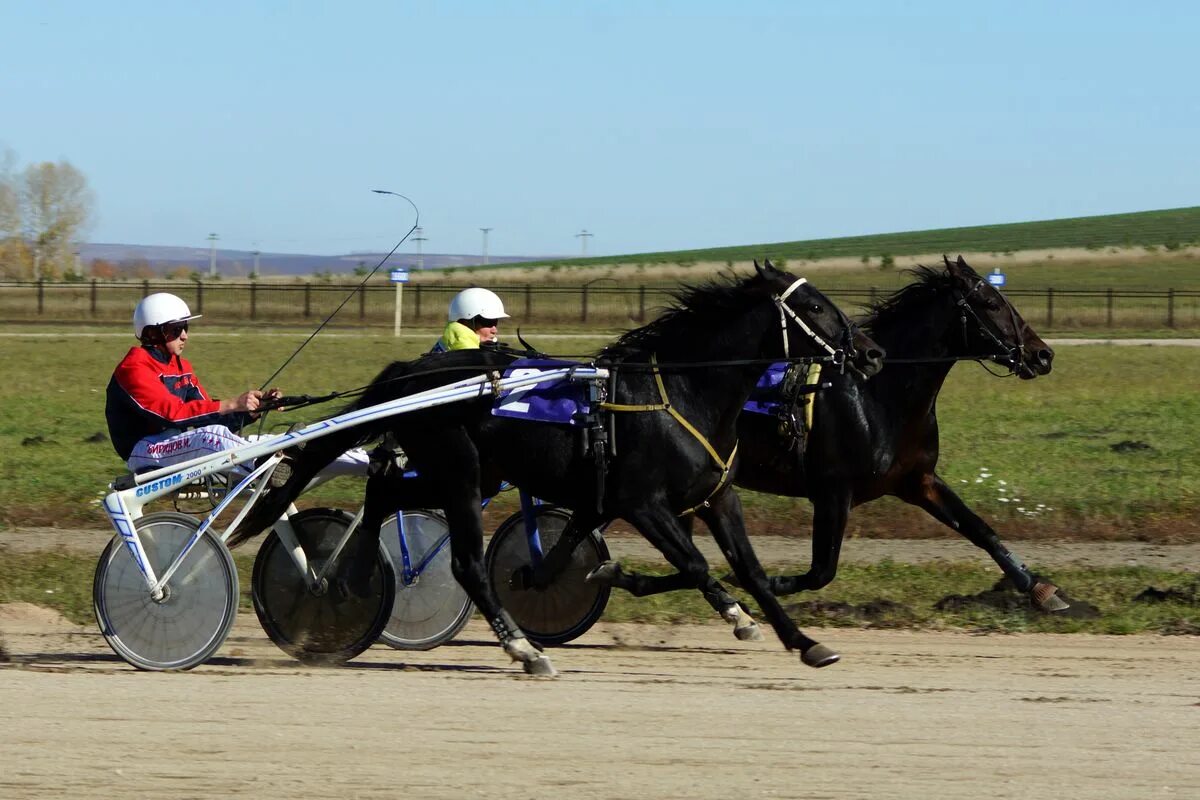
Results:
[695, 311]
[930, 283]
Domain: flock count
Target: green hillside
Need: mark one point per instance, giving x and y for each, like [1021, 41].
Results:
[1169, 229]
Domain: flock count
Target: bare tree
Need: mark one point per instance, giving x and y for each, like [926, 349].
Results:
[57, 207]
[11, 242]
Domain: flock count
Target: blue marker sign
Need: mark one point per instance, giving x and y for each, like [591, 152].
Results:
[997, 278]
[399, 275]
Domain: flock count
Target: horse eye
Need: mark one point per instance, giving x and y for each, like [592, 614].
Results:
[816, 308]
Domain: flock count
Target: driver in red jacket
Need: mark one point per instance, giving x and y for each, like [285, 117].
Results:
[158, 413]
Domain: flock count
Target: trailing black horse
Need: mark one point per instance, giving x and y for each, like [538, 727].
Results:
[680, 383]
[880, 437]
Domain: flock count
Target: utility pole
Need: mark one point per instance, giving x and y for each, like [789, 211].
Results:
[254, 272]
[420, 237]
[212, 255]
[485, 256]
[583, 236]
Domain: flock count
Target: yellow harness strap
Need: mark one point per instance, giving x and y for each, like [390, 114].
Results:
[812, 379]
[724, 465]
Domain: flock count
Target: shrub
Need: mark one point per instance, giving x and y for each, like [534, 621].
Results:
[886, 261]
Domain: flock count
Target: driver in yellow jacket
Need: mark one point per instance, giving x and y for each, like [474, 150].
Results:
[475, 316]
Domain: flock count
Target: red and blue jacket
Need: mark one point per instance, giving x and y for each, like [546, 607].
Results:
[151, 392]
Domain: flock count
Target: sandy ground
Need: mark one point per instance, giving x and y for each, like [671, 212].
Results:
[638, 712]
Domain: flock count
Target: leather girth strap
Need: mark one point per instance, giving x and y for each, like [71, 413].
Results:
[725, 465]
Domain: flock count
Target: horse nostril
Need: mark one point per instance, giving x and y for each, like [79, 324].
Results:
[876, 354]
[1045, 356]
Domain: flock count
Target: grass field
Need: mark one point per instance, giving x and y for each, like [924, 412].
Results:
[886, 595]
[1168, 229]
[1106, 446]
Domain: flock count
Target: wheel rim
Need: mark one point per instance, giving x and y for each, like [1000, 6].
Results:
[569, 605]
[318, 627]
[431, 607]
[192, 621]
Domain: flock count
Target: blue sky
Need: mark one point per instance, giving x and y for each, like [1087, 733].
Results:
[653, 125]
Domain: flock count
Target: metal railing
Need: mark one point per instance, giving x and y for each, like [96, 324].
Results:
[600, 305]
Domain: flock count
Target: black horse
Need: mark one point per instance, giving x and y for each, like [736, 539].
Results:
[680, 383]
[880, 437]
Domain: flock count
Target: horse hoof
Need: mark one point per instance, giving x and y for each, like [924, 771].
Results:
[604, 573]
[819, 656]
[1045, 596]
[749, 633]
[540, 667]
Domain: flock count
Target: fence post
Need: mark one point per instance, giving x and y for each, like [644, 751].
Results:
[199, 297]
[253, 300]
[307, 299]
[1110, 306]
[642, 303]
[93, 297]
[1049, 308]
[417, 304]
[583, 305]
[362, 302]
[145, 288]
[1170, 308]
[528, 302]
[872, 295]
[41, 294]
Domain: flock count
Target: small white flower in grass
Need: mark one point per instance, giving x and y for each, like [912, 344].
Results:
[49, 591]
[1002, 499]
[962, 480]
[1041, 505]
[1002, 483]
[979, 480]
[1001, 490]
[1021, 509]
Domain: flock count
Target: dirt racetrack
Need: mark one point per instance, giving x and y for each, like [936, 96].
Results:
[638, 712]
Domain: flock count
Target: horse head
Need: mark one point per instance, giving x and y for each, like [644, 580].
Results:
[992, 326]
[805, 313]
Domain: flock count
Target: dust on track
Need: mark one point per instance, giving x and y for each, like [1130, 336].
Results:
[639, 711]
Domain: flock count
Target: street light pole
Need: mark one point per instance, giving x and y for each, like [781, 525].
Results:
[212, 255]
[485, 254]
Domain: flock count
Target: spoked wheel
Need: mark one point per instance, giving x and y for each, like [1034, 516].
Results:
[569, 605]
[430, 607]
[190, 622]
[326, 624]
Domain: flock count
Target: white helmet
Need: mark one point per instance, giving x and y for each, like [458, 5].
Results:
[476, 302]
[158, 308]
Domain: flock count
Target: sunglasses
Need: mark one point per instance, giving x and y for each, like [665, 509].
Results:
[172, 330]
[484, 322]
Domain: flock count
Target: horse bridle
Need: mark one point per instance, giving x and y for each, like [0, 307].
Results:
[837, 355]
[1016, 353]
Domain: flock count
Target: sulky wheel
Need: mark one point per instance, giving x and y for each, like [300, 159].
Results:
[430, 607]
[569, 605]
[190, 622]
[324, 625]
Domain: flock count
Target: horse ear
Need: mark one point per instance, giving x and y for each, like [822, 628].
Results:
[965, 269]
[761, 272]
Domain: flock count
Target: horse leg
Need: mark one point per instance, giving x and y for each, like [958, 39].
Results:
[458, 472]
[932, 494]
[831, 510]
[724, 518]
